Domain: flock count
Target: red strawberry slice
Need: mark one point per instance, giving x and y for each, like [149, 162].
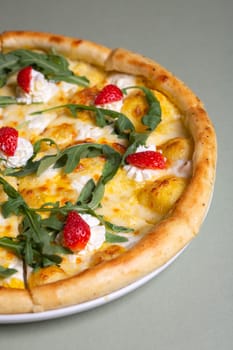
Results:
[147, 160]
[110, 93]
[8, 140]
[24, 78]
[76, 232]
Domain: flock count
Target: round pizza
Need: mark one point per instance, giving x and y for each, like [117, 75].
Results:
[107, 167]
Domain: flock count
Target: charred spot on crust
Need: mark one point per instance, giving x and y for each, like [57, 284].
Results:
[77, 42]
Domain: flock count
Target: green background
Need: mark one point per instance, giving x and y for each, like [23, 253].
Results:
[190, 304]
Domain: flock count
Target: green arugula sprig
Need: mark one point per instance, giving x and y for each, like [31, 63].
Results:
[36, 244]
[6, 272]
[10, 100]
[153, 116]
[121, 124]
[151, 119]
[69, 158]
[54, 67]
[7, 100]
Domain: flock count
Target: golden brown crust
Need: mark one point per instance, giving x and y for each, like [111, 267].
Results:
[15, 301]
[182, 223]
[72, 47]
[160, 78]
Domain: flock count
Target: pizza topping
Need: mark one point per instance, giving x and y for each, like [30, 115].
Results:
[122, 80]
[24, 78]
[110, 97]
[147, 160]
[8, 140]
[33, 87]
[22, 153]
[145, 163]
[97, 237]
[52, 66]
[92, 132]
[38, 123]
[76, 232]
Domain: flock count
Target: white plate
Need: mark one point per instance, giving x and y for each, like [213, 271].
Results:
[75, 309]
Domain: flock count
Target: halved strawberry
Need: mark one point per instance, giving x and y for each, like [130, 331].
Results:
[147, 160]
[24, 78]
[110, 93]
[76, 232]
[8, 140]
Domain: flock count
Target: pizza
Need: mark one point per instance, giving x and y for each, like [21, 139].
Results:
[107, 165]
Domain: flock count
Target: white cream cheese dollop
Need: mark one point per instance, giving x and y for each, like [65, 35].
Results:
[140, 175]
[41, 90]
[122, 80]
[181, 168]
[23, 152]
[97, 237]
[113, 106]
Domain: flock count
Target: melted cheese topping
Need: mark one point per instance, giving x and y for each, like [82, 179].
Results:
[127, 202]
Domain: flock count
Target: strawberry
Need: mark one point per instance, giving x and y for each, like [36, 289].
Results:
[24, 78]
[147, 160]
[8, 140]
[110, 93]
[76, 232]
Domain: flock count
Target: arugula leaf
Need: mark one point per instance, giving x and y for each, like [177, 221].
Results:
[8, 64]
[55, 67]
[37, 145]
[35, 244]
[136, 139]
[153, 116]
[112, 238]
[121, 124]
[6, 272]
[69, 159]
[13, 244]
[7, 100]
[116, 228]
[91, 195]
[15, 202]
[97, 195]
[37, 166]
[86, 194]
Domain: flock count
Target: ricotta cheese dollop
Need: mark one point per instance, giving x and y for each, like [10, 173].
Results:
[23, 152]
[181, 168]
[97, 237]
[140, 175]
[122, 80]
[41, 90]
